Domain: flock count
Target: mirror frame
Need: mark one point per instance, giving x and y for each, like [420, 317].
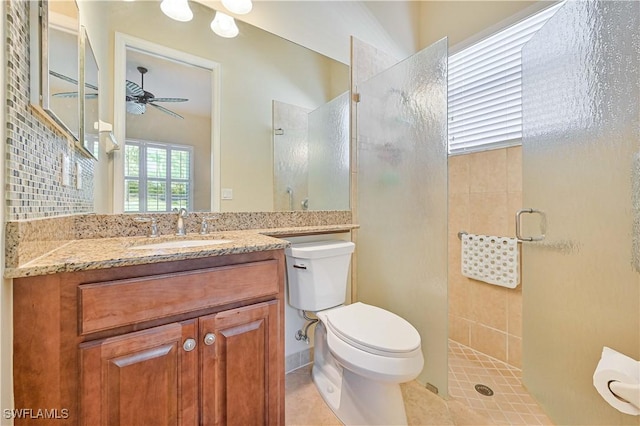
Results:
[39, 73]
[85, 51]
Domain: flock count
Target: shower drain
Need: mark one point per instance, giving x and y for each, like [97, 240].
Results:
[484, 390]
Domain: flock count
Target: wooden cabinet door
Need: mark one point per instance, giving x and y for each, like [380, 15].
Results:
[141, 378]
[241, 369]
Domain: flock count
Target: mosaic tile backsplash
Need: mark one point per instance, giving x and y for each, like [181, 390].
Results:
[34, 147]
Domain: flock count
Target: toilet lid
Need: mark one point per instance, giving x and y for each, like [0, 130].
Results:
[370, 327]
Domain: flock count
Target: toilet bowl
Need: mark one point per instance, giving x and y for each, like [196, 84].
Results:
[361, 352]
[360, 362]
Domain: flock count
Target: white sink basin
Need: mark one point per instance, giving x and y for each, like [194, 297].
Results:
[180, 244]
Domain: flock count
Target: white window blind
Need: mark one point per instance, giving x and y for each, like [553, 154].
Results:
[157, 176]
[485, 105]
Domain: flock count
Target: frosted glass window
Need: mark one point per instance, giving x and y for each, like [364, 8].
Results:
[485, 106]
[151, 170]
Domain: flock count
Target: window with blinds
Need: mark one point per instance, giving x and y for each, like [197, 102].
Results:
[485, 105]
[157, 176]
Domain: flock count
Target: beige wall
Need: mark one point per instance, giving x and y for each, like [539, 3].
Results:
[485, 191]
[325, 26]
[465, 21]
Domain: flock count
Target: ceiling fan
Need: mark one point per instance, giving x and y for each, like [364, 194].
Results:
[75, 83]
[138, 98]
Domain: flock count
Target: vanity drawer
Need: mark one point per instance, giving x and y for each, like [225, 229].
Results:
[112, 304]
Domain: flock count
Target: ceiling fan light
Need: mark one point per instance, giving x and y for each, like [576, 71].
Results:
[224, 25]
[135, 108]
[178, 10]
[239, 7]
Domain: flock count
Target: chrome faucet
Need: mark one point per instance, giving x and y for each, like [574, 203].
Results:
[153, 229]
[182, 213]
[204, 226]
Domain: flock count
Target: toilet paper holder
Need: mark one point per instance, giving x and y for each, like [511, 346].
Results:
[625, 392]
[617, 380]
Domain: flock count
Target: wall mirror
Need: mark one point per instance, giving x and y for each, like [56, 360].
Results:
[169, 139]
[55, 63]
[90, 90]
[255, 69]
[56, 69]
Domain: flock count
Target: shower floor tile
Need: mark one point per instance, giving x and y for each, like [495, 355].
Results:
[510, 403]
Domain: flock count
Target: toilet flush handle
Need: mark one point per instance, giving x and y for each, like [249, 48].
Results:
[299, 266]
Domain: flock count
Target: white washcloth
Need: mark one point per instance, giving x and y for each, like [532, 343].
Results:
[494, 260]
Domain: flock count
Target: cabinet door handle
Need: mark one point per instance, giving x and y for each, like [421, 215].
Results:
[189, 345]
[209, 339]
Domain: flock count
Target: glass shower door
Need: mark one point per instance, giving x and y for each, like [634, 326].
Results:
[581, 166]
[402, 199]
[329, 155]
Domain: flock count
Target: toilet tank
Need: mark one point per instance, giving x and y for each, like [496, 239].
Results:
[317, 273]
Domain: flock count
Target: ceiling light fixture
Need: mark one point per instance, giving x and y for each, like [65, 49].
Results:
[239, 7]
[177, 9]
[224, 25]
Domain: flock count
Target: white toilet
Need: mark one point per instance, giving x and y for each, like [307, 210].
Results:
[362, 353]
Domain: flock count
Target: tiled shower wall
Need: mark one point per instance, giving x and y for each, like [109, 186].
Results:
[34, 148]
[485, 192]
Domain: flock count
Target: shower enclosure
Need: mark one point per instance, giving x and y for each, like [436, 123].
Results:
[311, 156]
[581, 167]
[290, 156]
[402, 199]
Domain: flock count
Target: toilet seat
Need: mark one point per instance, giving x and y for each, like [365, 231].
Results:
[372, 342]
[373, 330]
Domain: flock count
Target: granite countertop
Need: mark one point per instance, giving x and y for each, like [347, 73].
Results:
[103, 253]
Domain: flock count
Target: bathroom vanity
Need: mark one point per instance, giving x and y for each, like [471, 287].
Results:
[186, 342]
[112, 327]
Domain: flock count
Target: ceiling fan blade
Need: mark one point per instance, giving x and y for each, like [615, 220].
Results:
[133, 89]
[136, 108]
[63, 77]
[65, 95]
[168, 100]
[168, 111]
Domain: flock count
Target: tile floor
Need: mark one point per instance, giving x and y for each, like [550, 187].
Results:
[510, 404]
